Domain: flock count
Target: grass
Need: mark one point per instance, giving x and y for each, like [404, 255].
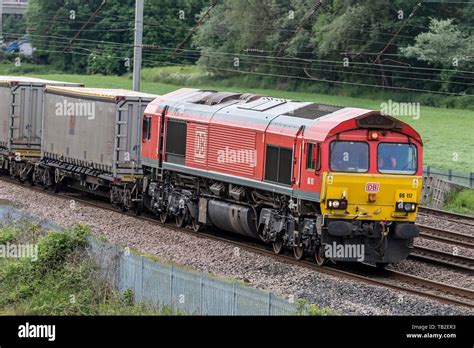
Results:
[461, 201]
[62, 281]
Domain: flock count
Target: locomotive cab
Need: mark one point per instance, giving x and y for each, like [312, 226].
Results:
[371, 189]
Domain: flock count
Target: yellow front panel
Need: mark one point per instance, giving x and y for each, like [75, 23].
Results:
[388, 190]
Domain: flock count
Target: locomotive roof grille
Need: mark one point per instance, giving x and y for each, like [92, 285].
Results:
[314, 111]
[218, 98]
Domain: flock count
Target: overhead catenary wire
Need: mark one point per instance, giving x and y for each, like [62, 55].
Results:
[168, 63]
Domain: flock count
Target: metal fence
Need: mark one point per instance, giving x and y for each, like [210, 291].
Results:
[166, 286]
[460, 178]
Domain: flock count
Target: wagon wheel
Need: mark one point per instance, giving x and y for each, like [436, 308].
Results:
[319, 256]
[298, 252]
[278, 246]
[46, 179]
[164, 217]
[127, 201]
[180, 220]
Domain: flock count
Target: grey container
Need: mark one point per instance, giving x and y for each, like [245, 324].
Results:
[21, 113]
[95, 128]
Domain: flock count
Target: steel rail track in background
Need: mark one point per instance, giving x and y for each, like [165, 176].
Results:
[443, 258]
[449, 216]
[448, 237]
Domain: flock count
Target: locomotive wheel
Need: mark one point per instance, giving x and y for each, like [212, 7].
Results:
[278, 246]
[197, 227]
[164, 217]
[319, 256]
[298, 252]
[180, 220]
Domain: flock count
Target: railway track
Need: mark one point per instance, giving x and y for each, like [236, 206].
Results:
[448, 237]
[449, 216]
[443, 258]
[441, 292]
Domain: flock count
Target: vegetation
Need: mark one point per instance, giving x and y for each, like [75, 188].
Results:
[305, 308]
[106, 44]
[62, 281]
[461, 201]
[339, 45]
[270, 42]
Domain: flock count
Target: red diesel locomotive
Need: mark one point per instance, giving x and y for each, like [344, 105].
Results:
[299, 175]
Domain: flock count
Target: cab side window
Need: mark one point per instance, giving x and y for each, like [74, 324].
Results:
[147, 128]
[310, 156]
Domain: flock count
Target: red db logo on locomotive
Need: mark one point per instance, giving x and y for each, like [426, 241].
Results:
[372, 187]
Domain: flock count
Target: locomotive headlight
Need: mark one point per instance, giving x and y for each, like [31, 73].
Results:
[337, 204]
[406, 207]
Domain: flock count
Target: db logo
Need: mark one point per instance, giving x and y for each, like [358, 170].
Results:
[372, 187]
[200, 142]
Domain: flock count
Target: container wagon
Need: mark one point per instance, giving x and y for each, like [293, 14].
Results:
[92, 140]
[21, 115]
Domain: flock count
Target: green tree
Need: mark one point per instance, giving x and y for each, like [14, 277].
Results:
[106, 44]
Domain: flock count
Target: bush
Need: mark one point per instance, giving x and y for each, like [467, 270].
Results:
[461, 201]
[62, 281]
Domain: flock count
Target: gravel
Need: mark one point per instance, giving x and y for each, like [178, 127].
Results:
[219, 258]
[439, 222]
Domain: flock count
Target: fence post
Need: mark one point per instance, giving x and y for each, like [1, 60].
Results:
[471, 180]
[428, 171]
[450, 175]
[234, 298]
[202, 293]
[171, 288]
[141, 284]
[269, 303]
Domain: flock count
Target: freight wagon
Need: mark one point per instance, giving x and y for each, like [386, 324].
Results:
[21, 116]
[92, 139]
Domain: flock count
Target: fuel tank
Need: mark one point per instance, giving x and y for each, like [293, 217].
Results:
[232, 218]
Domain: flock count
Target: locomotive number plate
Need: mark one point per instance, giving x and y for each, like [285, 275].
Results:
[372, 187]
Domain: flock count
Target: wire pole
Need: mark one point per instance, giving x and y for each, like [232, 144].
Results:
[138, 49]
[1, 24]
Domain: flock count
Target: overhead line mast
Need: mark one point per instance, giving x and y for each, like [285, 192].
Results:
[138, 45]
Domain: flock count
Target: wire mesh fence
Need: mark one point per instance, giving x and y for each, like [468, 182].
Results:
[457, 177]
[166, 286]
